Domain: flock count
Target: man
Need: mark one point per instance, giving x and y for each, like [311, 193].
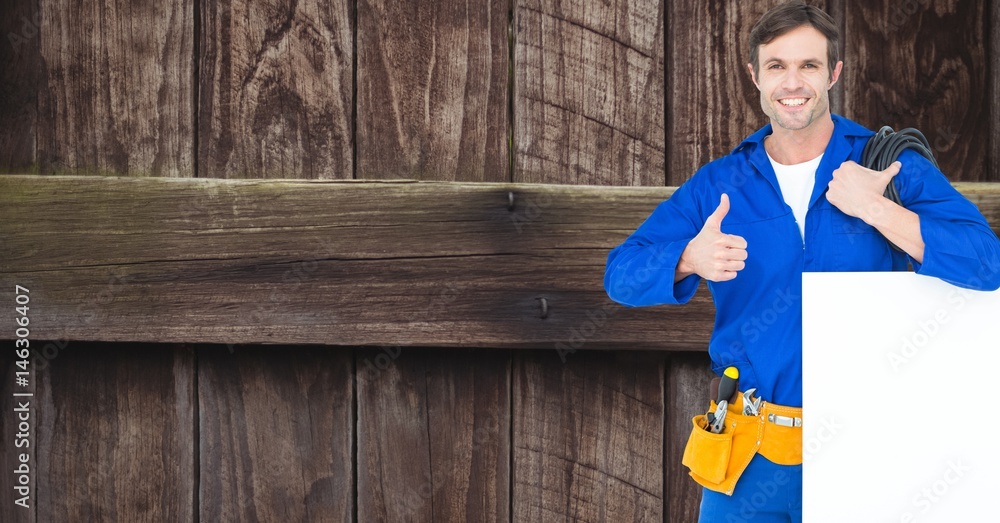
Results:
[789, 199]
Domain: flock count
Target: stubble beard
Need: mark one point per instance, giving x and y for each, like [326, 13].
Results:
[794, 123]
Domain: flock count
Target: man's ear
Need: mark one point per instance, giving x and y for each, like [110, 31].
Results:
[753, 77]
[835, 75]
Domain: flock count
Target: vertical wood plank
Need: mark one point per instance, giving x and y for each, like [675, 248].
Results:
[924, 65]
[275, 96]
[993, 159]
[17, 443]
[432, 90]
[836, 8]
[688, 376]
[713, 102]
[117, 95]
[275, 434]
[589, 92]
[588, 436]
[19, 73]
[115, 435]
[433, 435]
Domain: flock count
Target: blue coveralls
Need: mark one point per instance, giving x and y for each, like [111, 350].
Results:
[758, 322]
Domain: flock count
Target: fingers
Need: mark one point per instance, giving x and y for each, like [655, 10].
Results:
[732, 241]
[726, 273]
[715, 219]
[729, 258]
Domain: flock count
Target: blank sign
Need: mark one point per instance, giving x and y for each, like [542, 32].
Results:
[901, 375]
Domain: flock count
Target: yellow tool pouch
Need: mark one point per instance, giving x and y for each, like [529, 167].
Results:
[716, 461]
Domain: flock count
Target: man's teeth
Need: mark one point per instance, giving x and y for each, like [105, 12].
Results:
[793, 101]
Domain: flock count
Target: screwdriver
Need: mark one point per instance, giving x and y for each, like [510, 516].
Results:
[727, 388]
[727, 385]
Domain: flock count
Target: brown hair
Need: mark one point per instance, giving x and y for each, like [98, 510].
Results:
[789, 16]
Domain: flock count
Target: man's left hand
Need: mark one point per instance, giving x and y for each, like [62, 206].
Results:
[858, 191]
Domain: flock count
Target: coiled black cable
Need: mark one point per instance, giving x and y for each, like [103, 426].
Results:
[885, 148]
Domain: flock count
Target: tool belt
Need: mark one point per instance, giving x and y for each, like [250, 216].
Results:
[718, 460]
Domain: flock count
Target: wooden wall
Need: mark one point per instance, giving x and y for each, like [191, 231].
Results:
[618, 93]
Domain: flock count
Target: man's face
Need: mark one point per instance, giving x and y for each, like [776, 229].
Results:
[794, 78]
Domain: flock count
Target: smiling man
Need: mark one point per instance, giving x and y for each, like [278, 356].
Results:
[790, 198]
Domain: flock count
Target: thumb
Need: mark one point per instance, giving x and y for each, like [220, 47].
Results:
[893, 169]
[715, 220]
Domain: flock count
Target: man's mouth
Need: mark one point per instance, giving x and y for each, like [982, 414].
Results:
[793, 102]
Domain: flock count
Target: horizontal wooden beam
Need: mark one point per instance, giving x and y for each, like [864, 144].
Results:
[335, 263]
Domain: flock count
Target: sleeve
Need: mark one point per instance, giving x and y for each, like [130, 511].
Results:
[641, 270]
[959, 246]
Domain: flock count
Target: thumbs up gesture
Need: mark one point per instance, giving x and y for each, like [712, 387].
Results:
[857, 191]
[713, 254]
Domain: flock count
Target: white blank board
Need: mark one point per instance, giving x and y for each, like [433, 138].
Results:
[901, 375]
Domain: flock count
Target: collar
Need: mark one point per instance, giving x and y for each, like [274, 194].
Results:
[842, 129]
[840, 149]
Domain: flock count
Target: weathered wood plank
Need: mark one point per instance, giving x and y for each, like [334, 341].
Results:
[688, 376]
[275, 434]
[19, 435]
[588, 437]
[432, 90]
[903, 70]
[589, 92]
[117, 94]
[713, 102]
[355, 264]
[433, 435]
[276, 89]
[115, 439]
[993, 164]
[20, 22]
[218, 261]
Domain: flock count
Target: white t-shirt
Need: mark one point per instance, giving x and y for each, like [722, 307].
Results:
[796, 182]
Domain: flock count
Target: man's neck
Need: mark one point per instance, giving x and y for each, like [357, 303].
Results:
[791, 147]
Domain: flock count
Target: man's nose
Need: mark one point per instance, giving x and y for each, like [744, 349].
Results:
[791, 80]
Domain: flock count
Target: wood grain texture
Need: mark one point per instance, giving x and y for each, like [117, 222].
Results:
[117, 92]
[589, 92]
[712, 101]
[924, 65]
[115, 434]
[688, 376]
[993, 164]
[19, 435]
[588, 437]
[434, 264]
[275, 89]
[275, 434]
[215, 261]
[433, 435]
[20, 25]
[432, 90]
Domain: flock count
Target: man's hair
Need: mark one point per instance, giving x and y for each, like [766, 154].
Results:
[789, 16]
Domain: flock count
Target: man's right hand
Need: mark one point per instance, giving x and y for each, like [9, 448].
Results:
[713, 254]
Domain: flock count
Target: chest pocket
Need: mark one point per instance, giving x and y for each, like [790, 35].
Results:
[773, 244]
[852, 244]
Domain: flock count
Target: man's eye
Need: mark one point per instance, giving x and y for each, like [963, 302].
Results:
[774, 66]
